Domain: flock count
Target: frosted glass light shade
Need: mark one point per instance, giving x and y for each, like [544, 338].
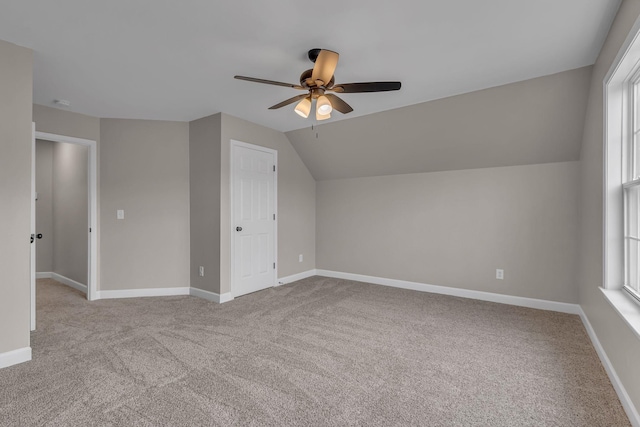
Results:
[323, 105]
[322, 116]
[304, 107]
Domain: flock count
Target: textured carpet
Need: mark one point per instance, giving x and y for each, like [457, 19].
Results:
[318, 352]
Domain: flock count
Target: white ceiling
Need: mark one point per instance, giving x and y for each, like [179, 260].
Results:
[175, 60]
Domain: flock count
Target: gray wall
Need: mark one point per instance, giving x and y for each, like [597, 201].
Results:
[66, 123]
[204, 186]
[146, 164]
[15, 194]
[456, 228]
[44, 205]
[296, 199]
[70, 211]
[145, 171]
[60, 122]
[620, 343]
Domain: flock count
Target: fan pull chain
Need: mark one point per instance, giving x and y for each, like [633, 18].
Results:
[312, 129]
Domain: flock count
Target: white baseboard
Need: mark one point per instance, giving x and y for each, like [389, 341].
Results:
[540, 304]
[14, 357]
[134, 293]
[62, 279]
[226, 297]
[69, 282]
[296, 277]
[625, 400]
[210, 296]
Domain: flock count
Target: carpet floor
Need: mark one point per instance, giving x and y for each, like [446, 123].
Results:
[319, 352]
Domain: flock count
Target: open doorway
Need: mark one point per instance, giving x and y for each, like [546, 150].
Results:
[64, 213]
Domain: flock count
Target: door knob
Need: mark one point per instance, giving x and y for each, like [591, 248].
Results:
[238, 228]
[39, 235]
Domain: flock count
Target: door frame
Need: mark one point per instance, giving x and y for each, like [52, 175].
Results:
[32, 226]
[235, 143]
[92, 241]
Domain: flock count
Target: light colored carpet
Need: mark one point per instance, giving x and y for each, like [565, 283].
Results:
[318, 352]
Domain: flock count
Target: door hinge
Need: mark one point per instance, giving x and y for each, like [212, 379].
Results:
[274, 265]
[274, 216]
[89, 229]
[274, 168]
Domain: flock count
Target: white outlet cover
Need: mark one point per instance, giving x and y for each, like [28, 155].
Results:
[300, 258]
[120, 214]
[499, 274]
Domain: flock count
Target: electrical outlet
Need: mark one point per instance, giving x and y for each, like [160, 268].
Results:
[499, 274]
[300, 258]
[120, 214]
[201, 271]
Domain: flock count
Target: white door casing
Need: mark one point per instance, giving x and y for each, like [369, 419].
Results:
[92, 233]
[253, 214]
[32, 265]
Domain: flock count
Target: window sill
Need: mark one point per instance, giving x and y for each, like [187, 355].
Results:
[628, 309]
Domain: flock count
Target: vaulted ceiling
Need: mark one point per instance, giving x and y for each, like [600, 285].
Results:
[535, 121]
[176, 60]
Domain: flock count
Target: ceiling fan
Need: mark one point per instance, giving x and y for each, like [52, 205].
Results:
[320, 80]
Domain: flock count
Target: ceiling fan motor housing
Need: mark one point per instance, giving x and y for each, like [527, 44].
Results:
[308, 83]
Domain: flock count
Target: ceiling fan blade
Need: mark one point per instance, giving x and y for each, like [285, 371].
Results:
[288, 101]
[326, 64]
[268, 82]
[338, 104]
[366, 87]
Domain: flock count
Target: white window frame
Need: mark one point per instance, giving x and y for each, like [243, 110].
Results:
[617, 87]
[631, 176]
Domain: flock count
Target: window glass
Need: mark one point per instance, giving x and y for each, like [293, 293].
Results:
[632, 193]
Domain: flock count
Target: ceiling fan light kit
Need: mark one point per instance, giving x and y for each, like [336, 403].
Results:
[321, 79]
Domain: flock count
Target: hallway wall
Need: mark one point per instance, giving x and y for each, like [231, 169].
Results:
[70, 211]
[62, 209]
[44, 205]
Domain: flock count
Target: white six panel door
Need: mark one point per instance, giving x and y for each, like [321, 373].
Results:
[253, 219]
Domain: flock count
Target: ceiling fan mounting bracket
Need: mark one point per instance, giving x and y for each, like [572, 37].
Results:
[313, 54]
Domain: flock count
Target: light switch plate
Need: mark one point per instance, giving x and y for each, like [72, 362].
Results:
[120, 214]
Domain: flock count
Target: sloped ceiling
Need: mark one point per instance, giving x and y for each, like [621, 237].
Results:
[175, 60]
[535, 121]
